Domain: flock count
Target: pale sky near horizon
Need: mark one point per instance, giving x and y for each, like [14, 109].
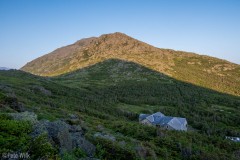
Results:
[30, 29]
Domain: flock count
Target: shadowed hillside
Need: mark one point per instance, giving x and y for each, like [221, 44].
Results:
[134, 84]
[108, 96]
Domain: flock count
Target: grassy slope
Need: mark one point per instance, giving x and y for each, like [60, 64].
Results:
[112, 93]
[208, 72]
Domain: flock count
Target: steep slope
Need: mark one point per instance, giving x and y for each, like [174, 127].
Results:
[200, 70]
[108, 96]
[111, 72]
[139, 85]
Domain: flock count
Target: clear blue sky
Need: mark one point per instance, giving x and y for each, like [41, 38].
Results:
[31, 28]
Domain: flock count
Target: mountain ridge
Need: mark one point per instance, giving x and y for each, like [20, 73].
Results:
[185, 66]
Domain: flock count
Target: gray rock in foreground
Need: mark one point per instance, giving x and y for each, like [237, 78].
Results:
[25, 116]
[66, 137]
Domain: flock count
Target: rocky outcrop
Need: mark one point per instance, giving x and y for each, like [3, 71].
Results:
[61, 135]
[25, 116]
[42, 90]
[145, 153]
[15, 105]
[105, 136]
[8, 99]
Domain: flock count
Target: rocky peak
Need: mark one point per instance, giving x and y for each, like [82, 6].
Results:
[116, 35]
[85, 41]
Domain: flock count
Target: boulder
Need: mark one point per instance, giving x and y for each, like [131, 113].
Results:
[76, 128]
[25, 116]
[58, 131]
[14, 104]
[122, 143]
[105, 136]
[141, 151]
[60, 134]
[65, 136]
[100, 127]
[145, 152]
[80, 142]
[42, 90]
[73, 119]
[73, 116]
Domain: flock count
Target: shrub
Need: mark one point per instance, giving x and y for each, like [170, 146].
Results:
[110, 150]
[14, 134]
[41, 148]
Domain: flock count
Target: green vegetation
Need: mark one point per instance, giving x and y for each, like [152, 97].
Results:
[221, 75]
[15, 136]
[108, 98]
[75, 154]
[111, 150]
[42, 148]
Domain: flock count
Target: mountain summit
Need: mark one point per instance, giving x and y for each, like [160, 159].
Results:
[201, 70]
[88, 51]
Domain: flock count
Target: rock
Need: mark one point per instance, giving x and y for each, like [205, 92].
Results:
[59, 132]
[100, 127]
[141, 151]
[80, 142]
[105, 136]
[14, 104]
[39, 128]
[122, 143]
[145, 153]
[237, 154]
[75, 128]
[66, 137]
[42, 90]
[25, 116]
[8, 90]
[73, 116]
[73, 119]
[18, 107]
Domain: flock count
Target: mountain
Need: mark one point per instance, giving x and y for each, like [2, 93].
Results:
[107, 98]
[205, 71]
[4, 68]
[84, 100]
